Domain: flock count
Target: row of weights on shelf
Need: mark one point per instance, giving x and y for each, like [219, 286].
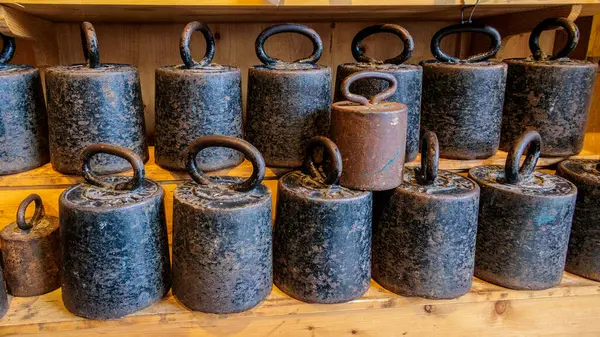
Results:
[290, 102]
[507, 225]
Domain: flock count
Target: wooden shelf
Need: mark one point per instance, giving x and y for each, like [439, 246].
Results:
[486, 310]
[275, 10]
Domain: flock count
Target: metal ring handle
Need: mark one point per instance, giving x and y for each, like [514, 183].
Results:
[288, 28]
[373, 99]
[136, 163]
[37, 216]
[184, 45]
[430, 156]
[399, 31]
[513, 174]
[250, 152]
[334, 171]
[495, 42]
[89, 41]
[572, 40]
[8, 49]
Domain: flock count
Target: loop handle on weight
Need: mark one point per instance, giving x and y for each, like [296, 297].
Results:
[514, 174]
[250, 152]
[495, 42]
[430, 156]
[89, 42]
[184, 45]
[288, 28]
[572, 40]
[136, 163]
[8, 49]
[37, 216]
[331, 151]
[399, 31]
[373, 99]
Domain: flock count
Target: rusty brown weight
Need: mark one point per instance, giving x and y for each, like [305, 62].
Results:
[31, 251]
[288, 102]
[197, 99]
[371, 135]
[462, 98]
[94, 103]
[549, 93]
[409, 77]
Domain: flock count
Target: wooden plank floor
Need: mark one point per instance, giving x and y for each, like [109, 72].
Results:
[488, 310]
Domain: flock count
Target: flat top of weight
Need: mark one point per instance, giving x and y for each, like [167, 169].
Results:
[484, 64]
[212, 68]
[219, 195]
[94, 197]
[540, 184]
[12, 69]
[446, 183]
[585, 168]
[47, 225]
[292, 67]
[84, 69]
[565, 61]
[304, 185]
[381, 66]
[381, 107]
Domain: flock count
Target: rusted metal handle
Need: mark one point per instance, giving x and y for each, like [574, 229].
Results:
[399, 31]
[373, 99]
[331, 151]
[136, 163]
[37, 216]
[495, 42]
[430, 156]
[184, 45]
[89, 41]
[8, 49]
[288, 28]
[572, 40]
[250, 152]
[530, 140]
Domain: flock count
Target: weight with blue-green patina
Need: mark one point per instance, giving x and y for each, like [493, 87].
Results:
[23, 120]
[115, 251]
[322, 235]
[288, 102]
[197, 99]
[31, 251]
[424, 230]
[583, 255]
[222, 234]
[525, 219]
[549, 93]
[408, 76]
[94, 103]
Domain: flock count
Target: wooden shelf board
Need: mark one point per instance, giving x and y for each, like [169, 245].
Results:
[45, 176]
[46, 313]
[275, 10]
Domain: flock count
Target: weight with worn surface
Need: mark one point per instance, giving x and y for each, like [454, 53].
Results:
[424, 231]
[115, 252]
[549, 93]
[322, 235]
[524, 220]
[23, 121]
[371, 135]
[408, 76]
[222, 235]
[31, 251]
[197, 99]
[94, 103]
[3, 295]
[583, 255]
[288, 102]
[463, 98]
